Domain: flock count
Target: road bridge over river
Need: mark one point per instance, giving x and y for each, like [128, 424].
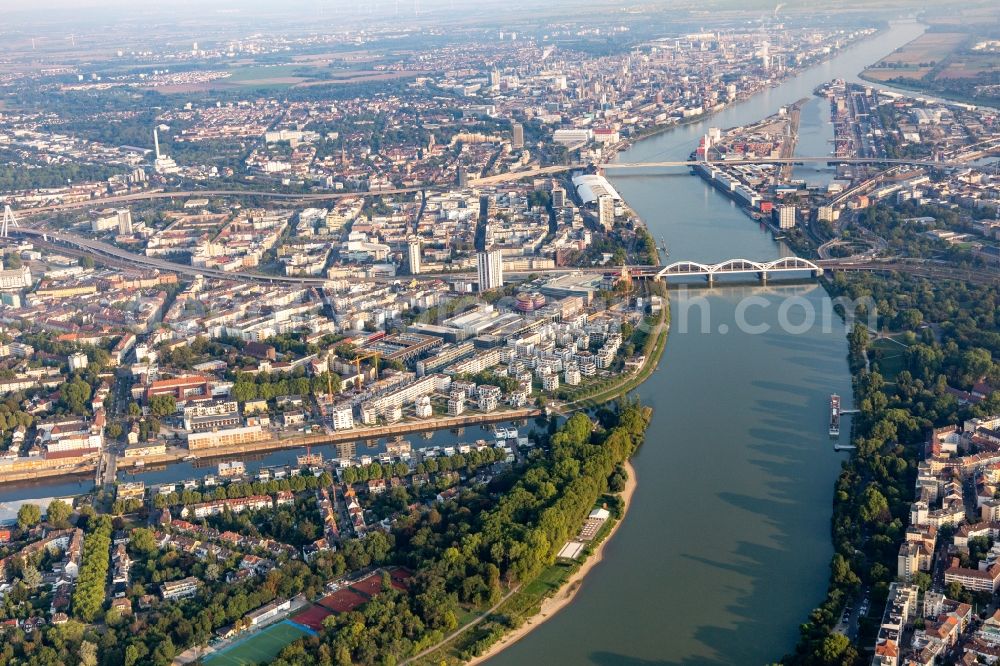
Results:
[788, 266]
[306, 197]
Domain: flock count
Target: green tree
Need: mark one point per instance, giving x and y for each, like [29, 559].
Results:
[75, 395]
[31, 576]
[28, 516]
[835, 649]
[114, 617]
[88, 654]
[58, 514]
[142, 541]
[244, 390]
[88, 597]
[349, 476]
[162, 405]
[841, 571]
[874, 506]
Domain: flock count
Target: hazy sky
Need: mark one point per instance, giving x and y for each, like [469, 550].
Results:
[58, 12]
[253, 5]
[21, 13]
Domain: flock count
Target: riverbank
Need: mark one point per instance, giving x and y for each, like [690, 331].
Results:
[652, 351]
[759, 471]
[788, 75]
[565, 595]
[32, 469]
[319, 439]
[919, 92]
[50, 470]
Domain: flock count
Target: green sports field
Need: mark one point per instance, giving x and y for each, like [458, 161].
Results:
[260, 648]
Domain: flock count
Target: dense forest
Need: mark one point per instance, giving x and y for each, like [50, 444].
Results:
[16, 177]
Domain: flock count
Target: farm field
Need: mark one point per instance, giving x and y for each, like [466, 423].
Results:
[918, 58]
[289, 76]
[968, 66]
[945, 64]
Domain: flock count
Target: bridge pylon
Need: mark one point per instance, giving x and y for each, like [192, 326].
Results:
[8, 219]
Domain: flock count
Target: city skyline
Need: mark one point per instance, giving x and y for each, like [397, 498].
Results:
[361, 333]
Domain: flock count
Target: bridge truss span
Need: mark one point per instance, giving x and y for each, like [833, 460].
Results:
[739, 266]
[792, 264]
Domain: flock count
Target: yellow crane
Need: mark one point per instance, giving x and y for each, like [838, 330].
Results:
[364, 356]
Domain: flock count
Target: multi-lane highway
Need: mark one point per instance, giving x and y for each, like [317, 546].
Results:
[635, 166]
[957, 162]
[125, 259]
[185, 194]
[118, 256]
[104, 251]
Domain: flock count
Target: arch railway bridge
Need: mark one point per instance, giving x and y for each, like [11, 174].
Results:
[737, 267]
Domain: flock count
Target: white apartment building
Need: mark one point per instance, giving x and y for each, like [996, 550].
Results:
[786, 217]
[490, 267]
[180, 589]
[15, 278]
[343, 417]
[372, 409]
[550, 381]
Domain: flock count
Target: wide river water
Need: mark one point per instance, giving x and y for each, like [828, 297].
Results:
[726, 547]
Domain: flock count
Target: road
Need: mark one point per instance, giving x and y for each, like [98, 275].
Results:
[455, 634]
[185, 194]
[124, 258]
[105, 251]
[956, 162]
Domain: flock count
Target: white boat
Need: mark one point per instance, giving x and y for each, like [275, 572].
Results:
[834, 415]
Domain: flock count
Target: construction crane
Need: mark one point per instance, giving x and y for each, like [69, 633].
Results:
[364, 356]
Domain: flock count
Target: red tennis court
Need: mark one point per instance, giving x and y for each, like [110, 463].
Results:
[342, 601]
[313, 617]
[401, 578]
[370, 585]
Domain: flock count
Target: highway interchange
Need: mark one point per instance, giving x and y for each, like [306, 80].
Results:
[117, 256]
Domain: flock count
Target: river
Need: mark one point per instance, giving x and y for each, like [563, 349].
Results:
[726, 547]
[181, 471]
